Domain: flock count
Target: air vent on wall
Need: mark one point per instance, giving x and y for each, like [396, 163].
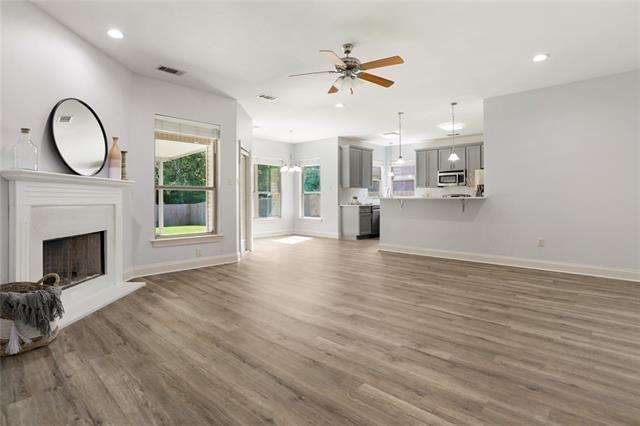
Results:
[267, 98]
[170, 70]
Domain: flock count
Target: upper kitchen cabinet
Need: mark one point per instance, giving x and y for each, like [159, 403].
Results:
[429, 161]
[357, 164]
[474, 159]
[445, 164]
[427, 168]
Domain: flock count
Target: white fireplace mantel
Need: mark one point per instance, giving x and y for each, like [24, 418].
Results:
[46, 205]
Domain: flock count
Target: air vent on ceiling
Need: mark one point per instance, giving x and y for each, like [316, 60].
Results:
[267, 98]
[170, 70]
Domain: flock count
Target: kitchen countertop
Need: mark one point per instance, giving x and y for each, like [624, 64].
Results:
[433, 198]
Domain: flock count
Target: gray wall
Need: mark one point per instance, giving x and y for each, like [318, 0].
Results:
[561, 164]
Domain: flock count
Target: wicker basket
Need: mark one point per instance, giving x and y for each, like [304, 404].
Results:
[32, 337]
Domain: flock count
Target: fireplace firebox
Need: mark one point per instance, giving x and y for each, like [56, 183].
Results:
[76, 258]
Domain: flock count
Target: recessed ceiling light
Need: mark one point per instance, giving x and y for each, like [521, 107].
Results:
[390, 135]
[449, 128]
[540, 57]
[115, 33]
[339, 105]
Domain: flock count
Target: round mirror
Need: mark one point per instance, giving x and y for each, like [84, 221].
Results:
[79, 136]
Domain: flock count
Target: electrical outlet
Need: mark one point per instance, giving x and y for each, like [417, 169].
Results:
[540, 242]
[198, 252]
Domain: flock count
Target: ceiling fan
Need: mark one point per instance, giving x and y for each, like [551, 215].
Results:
[351, 70]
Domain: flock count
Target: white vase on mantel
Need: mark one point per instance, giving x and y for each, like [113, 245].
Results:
[115, 160]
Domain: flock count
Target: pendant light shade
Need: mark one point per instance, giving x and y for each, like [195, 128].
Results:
[453, 157]
[400, 161]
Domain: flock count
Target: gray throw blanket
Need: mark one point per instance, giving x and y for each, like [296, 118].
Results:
[37, 308]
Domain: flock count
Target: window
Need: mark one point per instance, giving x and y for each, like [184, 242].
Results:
[267, 198]
[376, 179]
[311, 191]
[185, 177]
[403, 179]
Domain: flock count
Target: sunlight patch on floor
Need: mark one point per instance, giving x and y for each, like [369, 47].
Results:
[294, 239]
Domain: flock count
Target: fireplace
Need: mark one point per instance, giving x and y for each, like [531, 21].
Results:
[76, 258]
[71, 225]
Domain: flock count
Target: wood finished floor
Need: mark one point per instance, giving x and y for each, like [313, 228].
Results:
[329, 332]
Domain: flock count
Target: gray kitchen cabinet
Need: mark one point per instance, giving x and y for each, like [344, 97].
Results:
[429, 161]
[432, 168]
[357, 163]
[427, 168]
[365, 221]
[421, 169]
[445, 164]
[474, 160]
[367, 168]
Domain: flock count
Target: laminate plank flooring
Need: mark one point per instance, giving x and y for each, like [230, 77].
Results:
[335, 332]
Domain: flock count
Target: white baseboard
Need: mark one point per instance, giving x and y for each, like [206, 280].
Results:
[181, 265]
[270, 234]
[296, 232]
[331, 235]
[569, 268]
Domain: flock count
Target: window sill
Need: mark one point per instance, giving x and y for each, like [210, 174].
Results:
[187, 240]
[268, 219]
[319, 219]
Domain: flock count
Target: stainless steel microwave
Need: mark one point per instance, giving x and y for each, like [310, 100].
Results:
[451, 177]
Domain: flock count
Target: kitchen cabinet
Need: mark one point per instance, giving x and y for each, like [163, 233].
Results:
[357, 164]
[429, 161]
[445, 164]
[359, 222]
[474, 160]
[427, 168]
[365, 221]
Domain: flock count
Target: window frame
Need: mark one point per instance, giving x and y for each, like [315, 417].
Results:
[213, 212]
[413, 179]
[303, 192]
[257, 193]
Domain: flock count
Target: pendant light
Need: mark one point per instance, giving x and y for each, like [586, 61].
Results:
[453, 157]
[294, 167]
[288, 167]
[400, 160]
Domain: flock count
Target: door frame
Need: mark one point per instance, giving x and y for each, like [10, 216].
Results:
[248, 205]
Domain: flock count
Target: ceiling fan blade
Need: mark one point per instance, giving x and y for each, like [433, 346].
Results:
[375, 79]
[333, 89]
[311, 73]
[393, 60]
[333, 57]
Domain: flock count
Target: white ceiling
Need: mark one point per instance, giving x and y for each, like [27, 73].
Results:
[453, 51]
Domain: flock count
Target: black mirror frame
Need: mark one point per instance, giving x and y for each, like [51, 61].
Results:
[55, 142]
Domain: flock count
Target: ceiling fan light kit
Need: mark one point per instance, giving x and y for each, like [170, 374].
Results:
[351, 70]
